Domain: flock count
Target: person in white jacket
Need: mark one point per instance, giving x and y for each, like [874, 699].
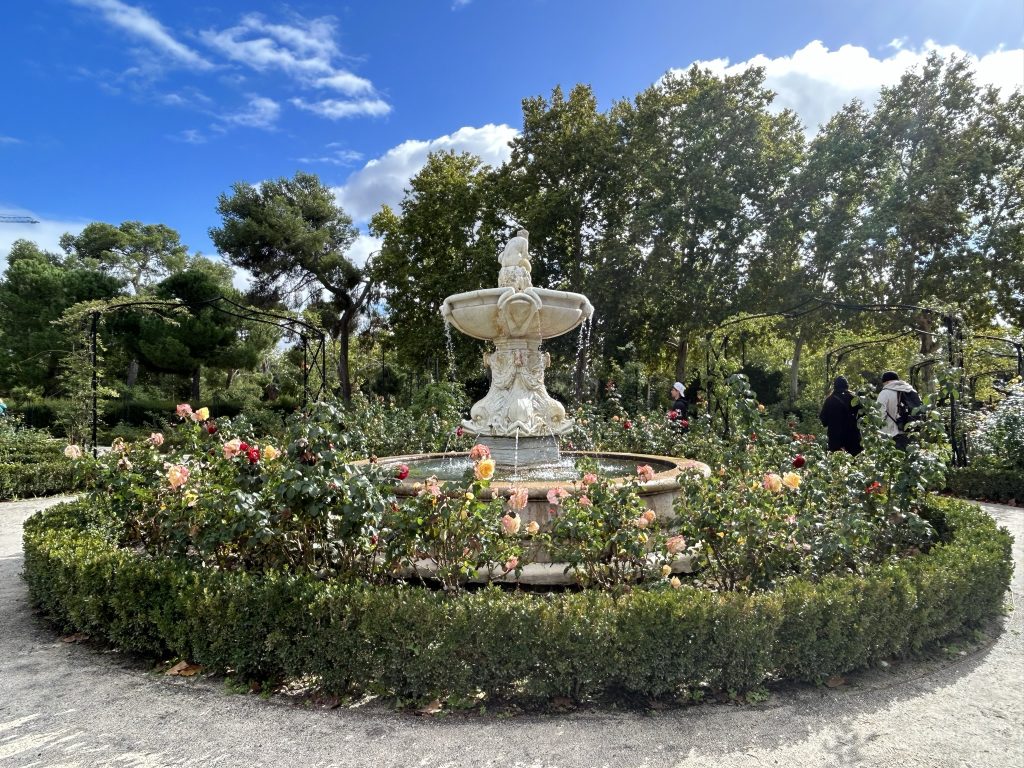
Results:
[889, 400]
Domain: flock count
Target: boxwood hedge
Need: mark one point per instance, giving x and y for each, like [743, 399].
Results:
[412, 642]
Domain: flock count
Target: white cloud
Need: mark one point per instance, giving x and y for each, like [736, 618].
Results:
[334, 156]
[10, 140]
[346, 82]
[46, 234]
[141, 24]
[816, 82]
[189, 136]
[362, 248]
[260, 113]
[385, 178]
[335, 109]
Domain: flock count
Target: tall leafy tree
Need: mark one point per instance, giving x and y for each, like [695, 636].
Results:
[441, 242]
[293, 237]
[708, 163]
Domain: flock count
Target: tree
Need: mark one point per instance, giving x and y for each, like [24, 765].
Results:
[37, 287]
[136, 253]
[442, 243]
[202, 336]
[292, 236]
[708, 166]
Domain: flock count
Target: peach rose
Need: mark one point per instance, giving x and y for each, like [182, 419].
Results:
[232, 448]
[791, 480]
[533, 528]
[73, 452]
[156, 439]
[519, 498]
[177, 475]
[675, 582]
[772, 482]
[555, 496]
[510, 524]
[675, 545]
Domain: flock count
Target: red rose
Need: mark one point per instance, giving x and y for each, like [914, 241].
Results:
[799, 460]
[243, 447]
[211, 428]
[253, 454]
[672, 415]
[684, 423]
[627, 424]
[875, 487]
[459, 431]
[403, 471]
[753, 437]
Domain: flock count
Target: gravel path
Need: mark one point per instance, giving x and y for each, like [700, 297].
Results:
[68, 705]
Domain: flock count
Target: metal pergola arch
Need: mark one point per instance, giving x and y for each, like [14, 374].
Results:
[292, 325]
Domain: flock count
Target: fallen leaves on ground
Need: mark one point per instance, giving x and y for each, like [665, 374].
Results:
[430, 709]
[184, 669]
[78, 637]
[835, 681]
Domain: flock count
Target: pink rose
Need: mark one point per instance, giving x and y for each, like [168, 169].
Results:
[479, 451]
[649, 516]
[184, 410]
[645, 472]
[156, 439]
[555, 496]
[232, 448]
[588, 479]
[675, 545]
[512, 563]
[403, 471]
[585, 502]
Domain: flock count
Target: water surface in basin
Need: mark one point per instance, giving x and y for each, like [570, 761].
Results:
[563, 471]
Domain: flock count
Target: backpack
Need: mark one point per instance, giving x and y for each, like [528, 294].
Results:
[908, 408]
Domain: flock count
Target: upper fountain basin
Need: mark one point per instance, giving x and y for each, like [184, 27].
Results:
[492, 313]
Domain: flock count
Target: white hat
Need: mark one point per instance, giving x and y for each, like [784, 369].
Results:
[678, 386]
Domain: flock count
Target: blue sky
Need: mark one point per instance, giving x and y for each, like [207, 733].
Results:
[148, 109]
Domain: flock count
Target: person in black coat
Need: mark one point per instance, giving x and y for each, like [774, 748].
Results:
[839, 415]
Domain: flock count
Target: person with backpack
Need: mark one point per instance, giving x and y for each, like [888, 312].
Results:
[900, 402]
[839, 415]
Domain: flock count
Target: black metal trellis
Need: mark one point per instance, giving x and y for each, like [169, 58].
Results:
[953, 337]
[317, 352]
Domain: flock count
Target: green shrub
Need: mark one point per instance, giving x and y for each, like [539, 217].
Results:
[982, 480]
[401, 640]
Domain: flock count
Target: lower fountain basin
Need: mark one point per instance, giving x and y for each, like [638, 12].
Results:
[658, 493]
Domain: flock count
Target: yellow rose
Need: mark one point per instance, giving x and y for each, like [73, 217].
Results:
[665, 571]
[202, 414]
[270, 453]
[675, 582]
[791, 480]
[533, 528]
[484, 469]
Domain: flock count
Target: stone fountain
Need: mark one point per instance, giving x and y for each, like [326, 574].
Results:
[517, 418]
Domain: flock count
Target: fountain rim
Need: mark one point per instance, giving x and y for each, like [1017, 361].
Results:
[665, 480]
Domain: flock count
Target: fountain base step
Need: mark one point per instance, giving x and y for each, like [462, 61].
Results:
[521, 452]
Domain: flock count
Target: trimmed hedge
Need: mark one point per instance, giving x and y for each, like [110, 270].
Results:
[404, 640]
[44, 478]
[991, 483]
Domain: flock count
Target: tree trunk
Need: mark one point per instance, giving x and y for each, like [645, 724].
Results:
[195, 385]
[343, 341]
[794, 367]
[231, 377]
[682, 353]
[133, 373]
[929, 346]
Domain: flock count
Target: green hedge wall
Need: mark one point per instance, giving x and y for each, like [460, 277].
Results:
[40, 479]
[987, 482]
[403, 640]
